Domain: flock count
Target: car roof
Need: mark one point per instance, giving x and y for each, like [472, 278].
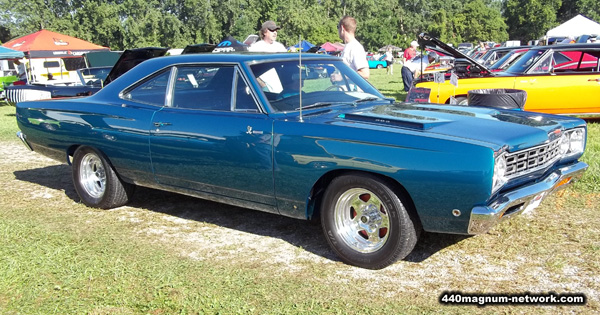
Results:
[568, 46]
[509, 48]
[236, 57]
[150, 66]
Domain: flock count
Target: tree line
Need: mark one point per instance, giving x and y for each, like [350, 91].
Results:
[123, 24]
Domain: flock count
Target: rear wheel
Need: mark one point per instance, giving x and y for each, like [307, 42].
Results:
[379, 66]
[96, 182]
[366, 223]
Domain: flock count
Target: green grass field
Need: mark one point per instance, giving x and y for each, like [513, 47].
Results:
[172, 254]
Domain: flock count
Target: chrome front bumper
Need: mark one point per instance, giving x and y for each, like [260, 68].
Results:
[523, 199]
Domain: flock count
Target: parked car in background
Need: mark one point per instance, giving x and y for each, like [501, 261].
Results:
[464, 47]
[254, 130]
[494, 54]
[558, 79]
[507, 60]
[377, 63]
[451, 62]
[88, 80]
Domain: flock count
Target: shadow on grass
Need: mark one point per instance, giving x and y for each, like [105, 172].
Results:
[303, 234]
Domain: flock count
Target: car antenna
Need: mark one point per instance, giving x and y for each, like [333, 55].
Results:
[300, 74]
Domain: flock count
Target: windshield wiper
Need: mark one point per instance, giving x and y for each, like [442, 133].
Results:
[317, 104]
[366, 99]
[323, 104]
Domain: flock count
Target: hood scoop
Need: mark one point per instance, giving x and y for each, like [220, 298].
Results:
[392, 116]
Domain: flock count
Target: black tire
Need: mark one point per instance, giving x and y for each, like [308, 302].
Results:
[462, 100]
[498, 98]
[366, 223]
[379, 66]
[96, 182]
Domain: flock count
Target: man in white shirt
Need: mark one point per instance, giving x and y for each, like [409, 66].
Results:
[21, 70]
[268, 35]
[354, 53]
[413, 68]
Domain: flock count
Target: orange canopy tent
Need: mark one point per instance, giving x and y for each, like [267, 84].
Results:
[47, 44]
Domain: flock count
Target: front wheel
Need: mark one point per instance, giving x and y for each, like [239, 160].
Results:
[379, 66]
[96, 182]
[366, 223]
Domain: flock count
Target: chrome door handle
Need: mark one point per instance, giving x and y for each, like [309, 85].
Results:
[161, 124]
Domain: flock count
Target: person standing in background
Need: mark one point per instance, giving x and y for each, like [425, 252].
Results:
[354, 53]
[21, 70]
[389, 60]
[410, 52]
[406, 71]
[268, 35]
[413, 68]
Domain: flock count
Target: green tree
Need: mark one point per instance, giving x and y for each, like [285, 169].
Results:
[4, 34]
[201, 24]
[530, 19]
[24, 17]
[587, 8]
[121, 24]
[483, 23]
[99, 23]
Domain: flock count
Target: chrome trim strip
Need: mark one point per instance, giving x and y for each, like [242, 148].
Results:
[24, 139]
[483, 218]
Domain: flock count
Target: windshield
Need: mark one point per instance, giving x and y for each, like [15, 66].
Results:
[527, 60]
[507, 60]
[94, 76]
[317, 83]
[502, 61]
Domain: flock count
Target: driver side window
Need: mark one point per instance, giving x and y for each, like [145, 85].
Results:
[244, 101]
[203, 87]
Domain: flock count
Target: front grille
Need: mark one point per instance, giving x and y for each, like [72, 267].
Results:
[529, 160]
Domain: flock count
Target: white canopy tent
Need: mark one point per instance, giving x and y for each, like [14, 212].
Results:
[577, 26]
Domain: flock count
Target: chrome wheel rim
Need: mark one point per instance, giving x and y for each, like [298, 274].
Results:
[362, 220]
[92, 175]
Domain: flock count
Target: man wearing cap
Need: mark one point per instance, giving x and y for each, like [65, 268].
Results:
[268, 34]
[413, 68]
[354, 53]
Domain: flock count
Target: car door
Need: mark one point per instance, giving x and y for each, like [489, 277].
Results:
[212, 137]
[563, 83]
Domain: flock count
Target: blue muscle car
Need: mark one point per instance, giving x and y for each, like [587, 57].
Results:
[306, 137]
[376, 63]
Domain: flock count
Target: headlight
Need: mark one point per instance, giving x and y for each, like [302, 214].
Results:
[572, 142]
[499, 178]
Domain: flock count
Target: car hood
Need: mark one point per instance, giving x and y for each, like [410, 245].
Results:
[487, 126]
[425, 40]
[131, 58]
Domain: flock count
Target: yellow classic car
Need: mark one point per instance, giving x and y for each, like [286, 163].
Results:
[558, 79]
